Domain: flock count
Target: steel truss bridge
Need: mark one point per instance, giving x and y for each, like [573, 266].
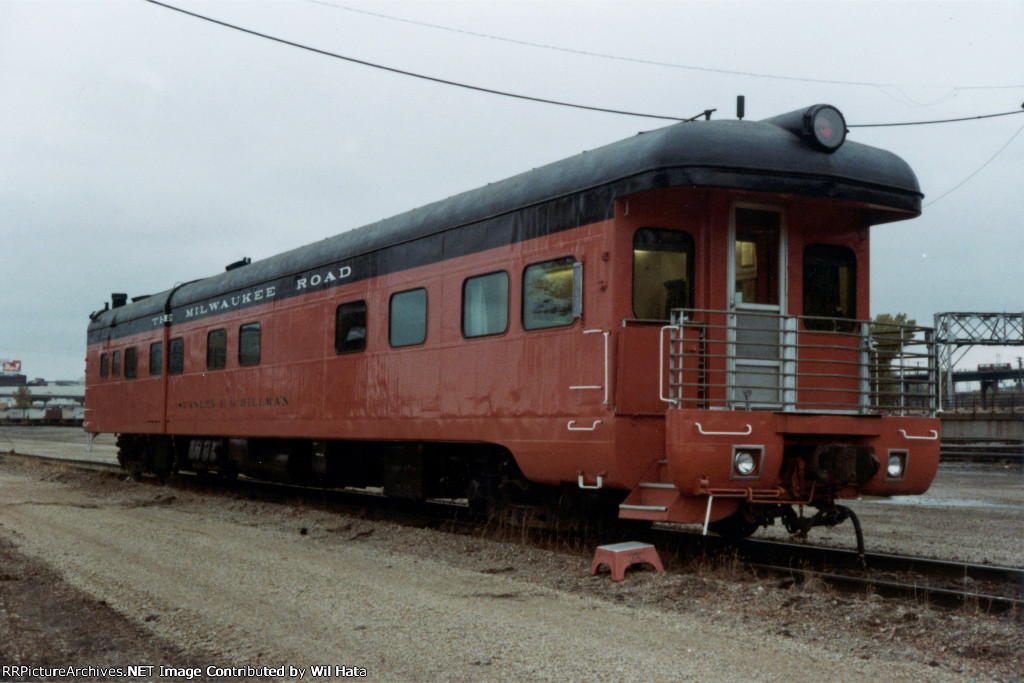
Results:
[956, 333]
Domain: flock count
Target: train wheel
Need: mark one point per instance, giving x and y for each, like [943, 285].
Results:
[131, 454]
[162, 453]
[736, 526]
[478, 496]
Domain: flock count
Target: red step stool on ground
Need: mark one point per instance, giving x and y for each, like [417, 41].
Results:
[618, 556]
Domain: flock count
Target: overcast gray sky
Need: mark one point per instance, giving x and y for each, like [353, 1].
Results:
[140, 147]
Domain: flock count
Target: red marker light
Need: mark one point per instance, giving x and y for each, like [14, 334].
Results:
[822, 126]
[827, 126]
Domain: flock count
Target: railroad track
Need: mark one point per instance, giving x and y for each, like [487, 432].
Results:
[78, 463]
[989, 588]
[951, 584]
[982, 450]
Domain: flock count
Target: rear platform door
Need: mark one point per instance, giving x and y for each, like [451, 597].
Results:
[757, 298]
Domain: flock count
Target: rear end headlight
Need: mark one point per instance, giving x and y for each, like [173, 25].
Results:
[746, 462]
[896, 466]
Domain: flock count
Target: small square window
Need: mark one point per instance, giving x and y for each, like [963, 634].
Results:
[350, 327]
[156, 359]
[131, 362]
[216, 349]
[485, 305]
[176, 356]
[249, 344]
[408, 323]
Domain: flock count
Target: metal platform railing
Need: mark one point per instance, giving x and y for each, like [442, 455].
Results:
[760, 359]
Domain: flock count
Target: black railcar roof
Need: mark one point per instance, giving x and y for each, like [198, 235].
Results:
[743, 155]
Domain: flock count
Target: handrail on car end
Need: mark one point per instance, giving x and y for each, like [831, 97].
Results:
[933, 437]
[870, 380]
[750, 430]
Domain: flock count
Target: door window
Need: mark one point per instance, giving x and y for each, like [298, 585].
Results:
[757, 257]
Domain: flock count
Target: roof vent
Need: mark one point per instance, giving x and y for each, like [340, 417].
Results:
[118, 300]
[238, 264]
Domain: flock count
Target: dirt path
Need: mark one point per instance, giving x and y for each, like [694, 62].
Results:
[237, 583]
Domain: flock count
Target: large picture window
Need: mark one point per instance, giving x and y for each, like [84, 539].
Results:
[485, 305]
[830, 287]
[408, 318]
[547, 294]
[662, 272]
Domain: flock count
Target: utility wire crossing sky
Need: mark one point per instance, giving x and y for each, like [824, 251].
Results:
[146, 147]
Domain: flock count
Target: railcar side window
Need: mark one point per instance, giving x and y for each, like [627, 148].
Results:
[156, 359]
[249, 344]
[547, 294]
[216, 349]
[485, 305]
[408, 319]
[176, 356]
[115, 366]
[350, 327]
[662, 272]
[830, 287]
[104, 365]
[131, 362]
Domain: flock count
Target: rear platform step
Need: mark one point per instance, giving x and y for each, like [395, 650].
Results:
[652, 497]
[645, 508]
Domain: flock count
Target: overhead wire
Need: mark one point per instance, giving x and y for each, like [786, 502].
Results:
[412, 74]
[690, 67]
[926, 123]
[979, 170]
[503, 93]
[530, 98]
[651, 62]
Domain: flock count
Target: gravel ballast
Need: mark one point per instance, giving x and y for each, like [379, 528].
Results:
[126, 573]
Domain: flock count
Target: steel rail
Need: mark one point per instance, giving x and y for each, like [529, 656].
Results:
[977, 450]
[941, 582]
[81, 463]
[935, 595]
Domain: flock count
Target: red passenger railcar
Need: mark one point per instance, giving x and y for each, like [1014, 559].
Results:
[672, 322]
